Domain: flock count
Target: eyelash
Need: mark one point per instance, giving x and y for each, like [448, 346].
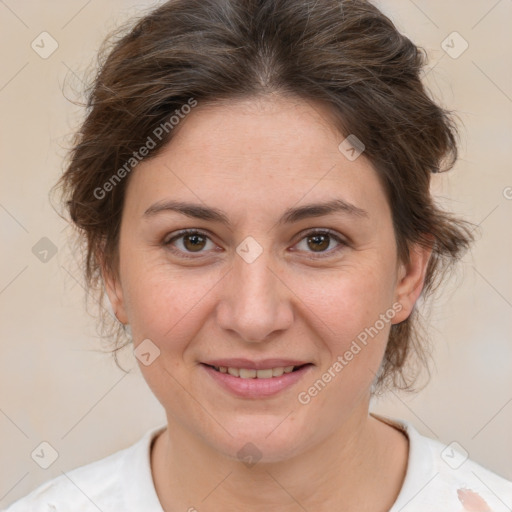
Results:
[187, 232]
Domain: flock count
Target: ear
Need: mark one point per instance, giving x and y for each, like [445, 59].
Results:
[114, 291]
[411, 279]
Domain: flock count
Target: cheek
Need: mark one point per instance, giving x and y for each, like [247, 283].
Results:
[350, 300]
[353, 321]
[353, 312]
[166, 304]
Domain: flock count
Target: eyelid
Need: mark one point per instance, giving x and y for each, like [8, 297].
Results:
[322, 231]
[183, 232]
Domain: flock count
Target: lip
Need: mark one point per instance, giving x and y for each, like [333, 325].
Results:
[256, 388]
[264, 364]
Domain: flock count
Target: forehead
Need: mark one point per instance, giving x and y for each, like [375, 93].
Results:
[273, 127]
[258, 153]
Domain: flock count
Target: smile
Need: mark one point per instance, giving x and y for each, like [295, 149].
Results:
[251, 383]
[250, 373]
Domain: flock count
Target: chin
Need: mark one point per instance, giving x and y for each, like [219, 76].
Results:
[263, 440]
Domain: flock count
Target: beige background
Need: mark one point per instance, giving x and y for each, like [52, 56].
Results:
[54, 384]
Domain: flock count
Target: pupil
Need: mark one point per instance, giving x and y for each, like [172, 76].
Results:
[195, 244]
[324, 238]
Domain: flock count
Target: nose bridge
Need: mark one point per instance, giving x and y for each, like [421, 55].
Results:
[255, 304]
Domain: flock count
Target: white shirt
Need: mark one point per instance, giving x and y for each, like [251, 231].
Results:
[439, 478]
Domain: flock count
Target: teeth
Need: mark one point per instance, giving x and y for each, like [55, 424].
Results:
[277, 372]
[247, 373]
[264, 374]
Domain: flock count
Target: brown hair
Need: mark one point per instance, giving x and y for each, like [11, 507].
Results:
[344, 53]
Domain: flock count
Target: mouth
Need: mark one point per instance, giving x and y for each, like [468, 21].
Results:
[252, 373]
[256, 383]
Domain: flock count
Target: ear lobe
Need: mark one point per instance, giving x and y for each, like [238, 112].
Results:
[114, 292]
[411, 280]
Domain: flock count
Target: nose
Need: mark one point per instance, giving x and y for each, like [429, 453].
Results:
[255, 302]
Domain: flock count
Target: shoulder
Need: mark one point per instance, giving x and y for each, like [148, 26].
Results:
[457, 477]
[444, 476]
[81, 487]
[99, 485]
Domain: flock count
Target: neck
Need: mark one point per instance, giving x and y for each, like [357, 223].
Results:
[359, 467]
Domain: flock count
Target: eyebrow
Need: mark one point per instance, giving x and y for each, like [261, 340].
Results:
[290, 216]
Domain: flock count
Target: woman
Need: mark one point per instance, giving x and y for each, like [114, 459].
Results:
[264, 319]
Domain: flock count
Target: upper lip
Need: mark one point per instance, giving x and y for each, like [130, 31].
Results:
[264, 364]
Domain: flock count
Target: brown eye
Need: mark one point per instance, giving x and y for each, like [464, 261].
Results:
[320, 241]
[194, 242]
[191, 241]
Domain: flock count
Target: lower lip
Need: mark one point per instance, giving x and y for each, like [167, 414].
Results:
[256, 388]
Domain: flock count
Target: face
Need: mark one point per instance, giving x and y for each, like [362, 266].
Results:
[259, 277]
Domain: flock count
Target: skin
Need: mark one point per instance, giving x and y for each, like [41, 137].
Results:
[254, 159]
